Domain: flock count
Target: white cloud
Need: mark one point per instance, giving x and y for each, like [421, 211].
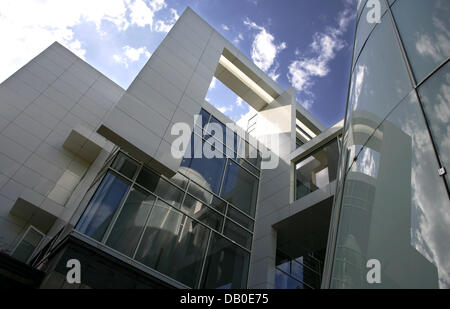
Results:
[243, 120]
[29, 26]
[165, 26]
[130, 55]
[264, 50]
[213, 83]
[238, 39]
[239, 101]
[142, 14]
[226, 109]
[323, 48]
[225, 27]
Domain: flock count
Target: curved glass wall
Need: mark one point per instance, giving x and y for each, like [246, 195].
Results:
[392, 197]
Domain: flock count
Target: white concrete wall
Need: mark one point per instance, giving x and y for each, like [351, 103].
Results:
[171, 88]
[274, 190]
[39, 106]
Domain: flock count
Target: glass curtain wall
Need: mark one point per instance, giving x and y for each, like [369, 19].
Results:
[197, 234]
[304, 272]
[317, 170]
[392, 195]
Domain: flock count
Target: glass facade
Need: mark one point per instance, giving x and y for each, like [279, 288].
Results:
[195, 228]
[393, 203]
[317, 170]
[304, 272]
[28, 244]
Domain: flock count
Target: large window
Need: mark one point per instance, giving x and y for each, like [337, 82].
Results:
[167, 224]
[226, 265]
[304, 272]
[173, 244]
[131, 221]
[240, 188]
[317, 170]
[103, 206]
[207, 172]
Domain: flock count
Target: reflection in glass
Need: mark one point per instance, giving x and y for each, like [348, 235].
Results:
[102, 206]
[435, 96]
[173, 244]
[317, 170]
[124, 165]
[240, 218]
[238, 234]
[240, 188]
[205, 117]
[161, 187]
[367, 162]
[375, 88]
[285, 282]
[398, 217]
[202, 213]
[130, 223]
[249, 153]
[200, 193]
[226, 265]
[206, 172]
[364, 27]
[424, 27]
[305, 272]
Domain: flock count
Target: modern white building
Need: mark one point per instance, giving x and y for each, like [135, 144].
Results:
[87, 172]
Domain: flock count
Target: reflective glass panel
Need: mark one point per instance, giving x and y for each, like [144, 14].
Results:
[226, 265]
[124, 165]
[219, 204]
[286, 282]
[240, 218]
[130, 223]
[200, 193]
[214, 123]
[317, 170]
[424, 27]
[435, 96]
[364, 27]
[204, 171]
[379, 82]
[250, 153]
[394, 209]
[238, 234]
[240, 188]
[205, 117]
[203, 213]
[102, 206]
[160, 186]
[173, 244]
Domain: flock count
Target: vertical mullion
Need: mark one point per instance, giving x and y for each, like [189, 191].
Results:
[133, 257]
[204, 259]
[122, 203]
[415, 89]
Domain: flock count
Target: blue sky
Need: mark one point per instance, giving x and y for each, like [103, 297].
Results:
[301, 43]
